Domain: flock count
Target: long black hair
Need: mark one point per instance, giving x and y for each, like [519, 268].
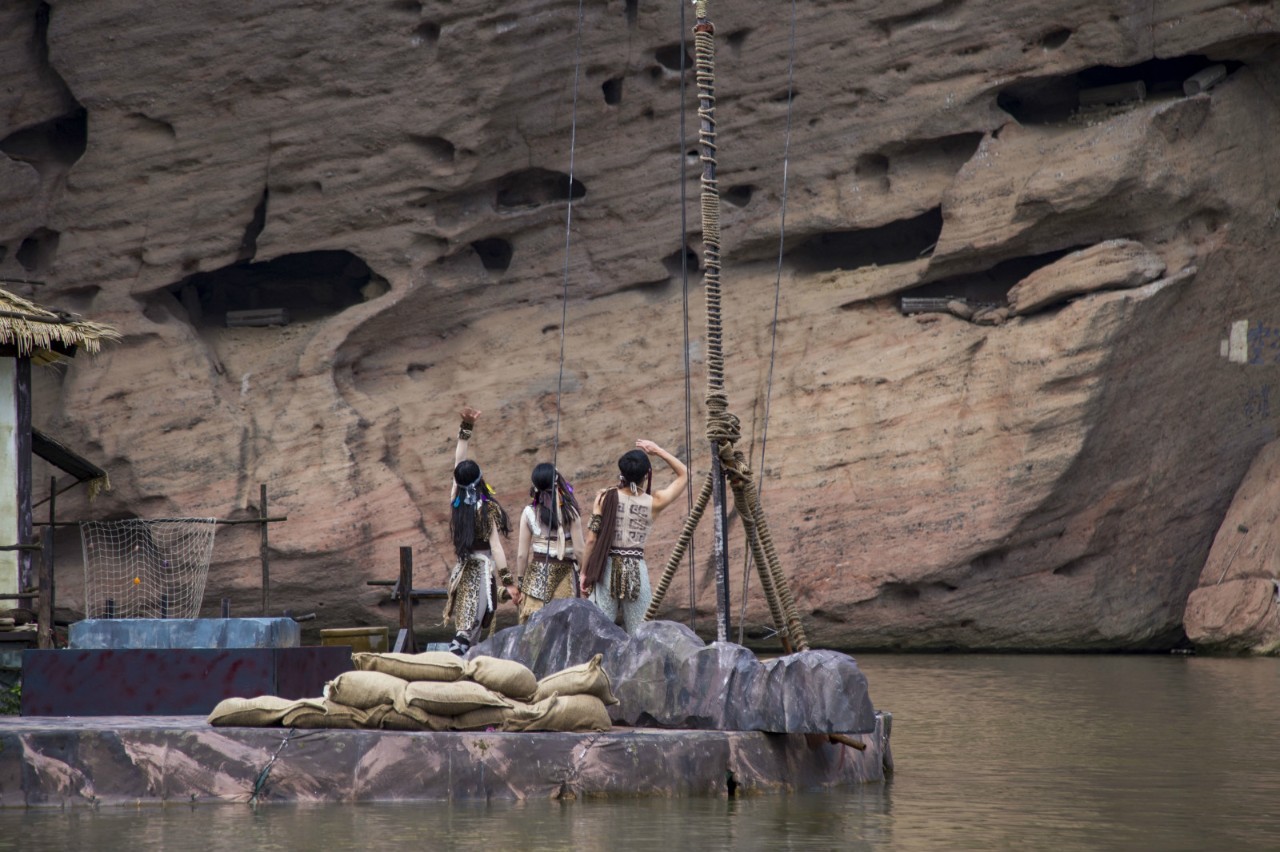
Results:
[548, 485]
[474, 499]
[633, 468]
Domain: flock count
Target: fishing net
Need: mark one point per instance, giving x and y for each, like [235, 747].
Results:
[136, 568]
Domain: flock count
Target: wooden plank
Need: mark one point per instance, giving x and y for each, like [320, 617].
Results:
[262, 551]
[259, 317]
[1203, 81]
[404, 591]
[44, 613]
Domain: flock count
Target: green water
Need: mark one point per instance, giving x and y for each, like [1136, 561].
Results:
[992, 753]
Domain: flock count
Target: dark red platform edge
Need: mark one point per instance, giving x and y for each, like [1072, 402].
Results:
[170, 682]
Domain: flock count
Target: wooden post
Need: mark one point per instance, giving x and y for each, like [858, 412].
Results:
[406, 641]
[22, 440]
[44, 616]
[266, 570]
[721, 546]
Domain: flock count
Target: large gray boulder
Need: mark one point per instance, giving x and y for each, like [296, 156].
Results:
[665, 676]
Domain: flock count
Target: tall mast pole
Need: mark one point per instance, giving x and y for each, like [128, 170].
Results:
[717, 400]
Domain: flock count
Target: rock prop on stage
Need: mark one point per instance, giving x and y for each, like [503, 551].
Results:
[571, 670]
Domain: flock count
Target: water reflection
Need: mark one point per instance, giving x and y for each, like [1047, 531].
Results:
[992, 752]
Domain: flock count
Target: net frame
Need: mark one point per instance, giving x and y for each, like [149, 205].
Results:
[146, 567]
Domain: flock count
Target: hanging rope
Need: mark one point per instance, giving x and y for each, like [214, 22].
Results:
[723, 427]
[568, 232]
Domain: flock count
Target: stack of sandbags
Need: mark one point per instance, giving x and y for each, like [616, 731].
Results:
[437, 691]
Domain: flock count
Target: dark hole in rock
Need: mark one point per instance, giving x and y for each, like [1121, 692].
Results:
[309, 285]
[437, 147]
[669, 56]
[428, 32]
[1049, 100]
[412, 7]
[632, 12]
[891, 23]
[782, 96]
[534, 187]
[249, 242]
[38, 250]
[692, 157]
[59, 142]
[739, 195]
[873, 168]
[1072, 568]
[495, 253]
[736, 39]
[676, 262]
[897, 242]
[900, 591]
[990, 287]
[612, 89]
[1055, 39]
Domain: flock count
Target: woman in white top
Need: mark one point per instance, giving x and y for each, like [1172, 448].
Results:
[616, 574]
[550, 543]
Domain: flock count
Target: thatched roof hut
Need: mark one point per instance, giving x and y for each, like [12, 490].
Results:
[31, 334]
[28, 330]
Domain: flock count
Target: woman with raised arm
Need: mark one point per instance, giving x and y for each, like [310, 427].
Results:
[616, 574]
[551, 543]
[476, 524]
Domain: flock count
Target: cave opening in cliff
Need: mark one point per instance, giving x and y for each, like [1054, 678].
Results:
[495, 253]
[612, 89]
[38, 249]
[536, 187]
[896, 242]
[1053, 100]
[669, 57]
[988, 286]
[308, 286]
[54, 144]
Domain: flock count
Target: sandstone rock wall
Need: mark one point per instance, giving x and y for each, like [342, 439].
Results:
[395, 175]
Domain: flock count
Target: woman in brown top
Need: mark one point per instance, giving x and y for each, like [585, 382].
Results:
[477, 524]
[616, 575]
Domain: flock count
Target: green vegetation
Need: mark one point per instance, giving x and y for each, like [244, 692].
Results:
[11, 699]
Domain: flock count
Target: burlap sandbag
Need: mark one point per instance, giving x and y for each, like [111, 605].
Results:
[566, 714]
[364, 690]
[449, 699]
[507, 677]
[590, 678]
[480, 719]
[318, 713]
[430, 665]
[265, 711]
[521, 716]
[408, 718]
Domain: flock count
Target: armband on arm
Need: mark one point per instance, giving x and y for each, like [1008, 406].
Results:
[594, 523]
[465, 429]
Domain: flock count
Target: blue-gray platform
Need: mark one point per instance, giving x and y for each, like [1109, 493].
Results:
[150, 633]
[177, 666]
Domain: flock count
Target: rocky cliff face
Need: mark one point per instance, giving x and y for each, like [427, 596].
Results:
[1006, 409]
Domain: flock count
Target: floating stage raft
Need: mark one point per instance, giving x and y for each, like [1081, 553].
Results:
[110, 760]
